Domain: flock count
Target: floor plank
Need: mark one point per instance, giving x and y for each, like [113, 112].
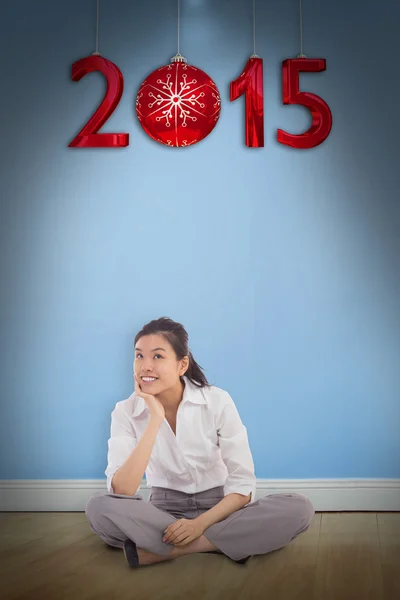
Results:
[349, 566]
[47, 556]
[390, 560]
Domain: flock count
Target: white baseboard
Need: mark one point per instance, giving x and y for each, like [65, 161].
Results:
[52, 495]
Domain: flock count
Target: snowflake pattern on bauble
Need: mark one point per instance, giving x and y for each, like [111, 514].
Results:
[181, 100]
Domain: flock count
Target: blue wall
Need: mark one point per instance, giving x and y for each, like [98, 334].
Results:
[282, 264]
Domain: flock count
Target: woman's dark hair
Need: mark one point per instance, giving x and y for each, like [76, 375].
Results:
[177, 336]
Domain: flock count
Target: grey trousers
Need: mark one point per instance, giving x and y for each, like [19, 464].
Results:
[261, 526]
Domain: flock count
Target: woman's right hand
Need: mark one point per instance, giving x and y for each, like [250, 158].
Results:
[155, 406]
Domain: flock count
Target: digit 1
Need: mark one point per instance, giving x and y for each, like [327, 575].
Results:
[250, 82]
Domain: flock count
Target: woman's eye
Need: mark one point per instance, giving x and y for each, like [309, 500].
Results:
[137, 356]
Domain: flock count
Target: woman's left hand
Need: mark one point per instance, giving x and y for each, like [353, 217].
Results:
[183, 531]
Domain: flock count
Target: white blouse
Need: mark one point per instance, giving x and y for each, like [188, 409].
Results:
[210, 448]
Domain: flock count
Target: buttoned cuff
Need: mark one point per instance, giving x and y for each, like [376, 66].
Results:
[245, 489]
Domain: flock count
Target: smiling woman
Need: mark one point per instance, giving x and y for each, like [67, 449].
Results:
[162, 357]
[187, 436]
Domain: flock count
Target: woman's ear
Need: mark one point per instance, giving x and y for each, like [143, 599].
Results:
[185, 365]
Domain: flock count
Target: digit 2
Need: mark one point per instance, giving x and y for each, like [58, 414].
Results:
[88, 137]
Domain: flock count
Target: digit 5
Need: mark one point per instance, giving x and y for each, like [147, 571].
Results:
[320, 111]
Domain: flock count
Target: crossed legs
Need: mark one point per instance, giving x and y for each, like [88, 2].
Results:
[201, 544]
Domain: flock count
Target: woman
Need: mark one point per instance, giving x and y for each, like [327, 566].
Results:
[187, 437]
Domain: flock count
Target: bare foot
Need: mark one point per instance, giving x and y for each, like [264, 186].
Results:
[201, 544]
[148, 558]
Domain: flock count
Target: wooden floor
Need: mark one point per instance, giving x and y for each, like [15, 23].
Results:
[56, 556]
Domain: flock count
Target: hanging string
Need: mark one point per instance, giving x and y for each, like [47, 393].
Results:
[97, 30]
[179, 18]
[178, 56]
[254, 55]
[254, 25]
[301, 29]
[301, 55]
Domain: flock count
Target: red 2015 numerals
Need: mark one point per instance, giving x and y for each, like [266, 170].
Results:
[250, 83]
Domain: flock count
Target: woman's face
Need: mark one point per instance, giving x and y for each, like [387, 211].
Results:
[155, 357]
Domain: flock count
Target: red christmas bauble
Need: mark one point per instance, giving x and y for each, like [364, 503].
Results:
[178, 104]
